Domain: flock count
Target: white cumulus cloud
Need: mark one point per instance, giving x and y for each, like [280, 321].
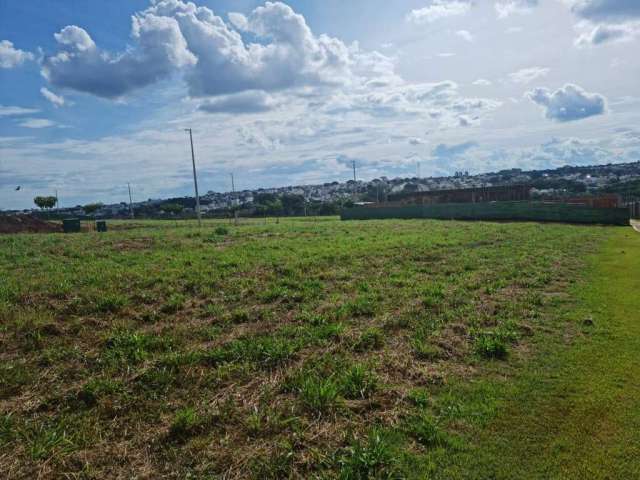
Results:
[172, 36]
[11, 57]
[80, 65]
[568, 103]
[438, 9]
[505, 8]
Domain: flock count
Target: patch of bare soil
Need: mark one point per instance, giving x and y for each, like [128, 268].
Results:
[26, 224]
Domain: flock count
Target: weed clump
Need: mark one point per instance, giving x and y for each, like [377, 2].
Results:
[266, 351]
[110, 303]
[425, 429]
[97, 388]
[375, 457]
[174, 303]
[362, 306]
[419, 397]
[132, 347]
[221, 230]
[319, 395]
[494, 344]
[186, 422]
[358, 382]
[370, 339]
[425, 350]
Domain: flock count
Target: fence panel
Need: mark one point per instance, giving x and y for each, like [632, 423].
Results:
[517, 211]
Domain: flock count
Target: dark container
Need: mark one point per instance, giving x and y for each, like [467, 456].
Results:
[71, 225]
[101, 226]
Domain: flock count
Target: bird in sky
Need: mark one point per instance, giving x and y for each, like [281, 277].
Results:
[17, 188]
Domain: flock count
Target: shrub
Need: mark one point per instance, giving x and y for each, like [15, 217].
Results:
[221, 230]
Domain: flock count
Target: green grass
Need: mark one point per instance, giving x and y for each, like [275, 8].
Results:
[314, 348]
[577, 405]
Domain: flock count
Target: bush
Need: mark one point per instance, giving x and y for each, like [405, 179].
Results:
[221, 230]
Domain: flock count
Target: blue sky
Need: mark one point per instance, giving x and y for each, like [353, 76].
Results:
[96, 94]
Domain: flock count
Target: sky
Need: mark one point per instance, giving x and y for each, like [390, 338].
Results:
[95, 95]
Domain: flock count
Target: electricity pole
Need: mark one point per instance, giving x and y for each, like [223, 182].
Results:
[130, 201]
[195, 176]
[418, 169]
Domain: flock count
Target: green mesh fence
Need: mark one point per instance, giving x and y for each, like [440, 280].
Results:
[518, 211]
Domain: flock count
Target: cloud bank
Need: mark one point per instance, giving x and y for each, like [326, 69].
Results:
[172, 36]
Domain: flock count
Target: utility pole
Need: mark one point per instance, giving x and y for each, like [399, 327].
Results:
[418, 169]
[57, 206]
[195, 176]
[130, 201]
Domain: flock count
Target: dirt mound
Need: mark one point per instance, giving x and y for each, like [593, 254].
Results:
[26, 224]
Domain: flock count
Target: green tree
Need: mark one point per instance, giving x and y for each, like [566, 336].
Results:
[92, 208]
[293, 204]
[45, 202]
[173, 208]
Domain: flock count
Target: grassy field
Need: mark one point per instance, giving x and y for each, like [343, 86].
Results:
[314, 348]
